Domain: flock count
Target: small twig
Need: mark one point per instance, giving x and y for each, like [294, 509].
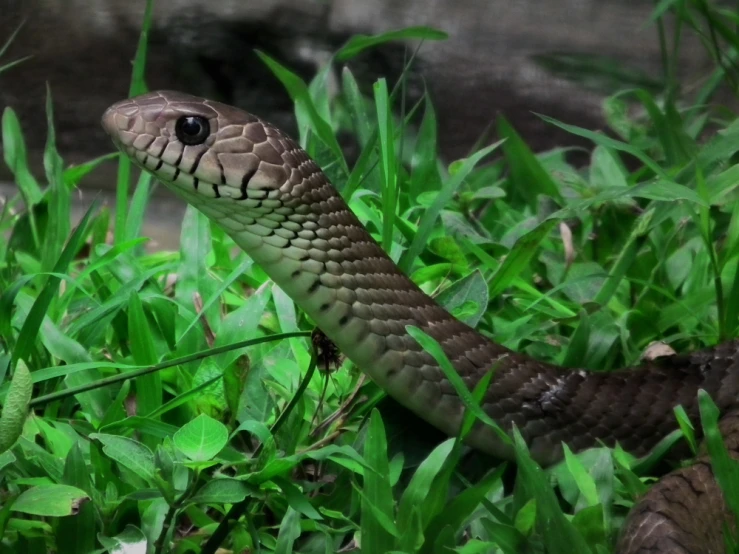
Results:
[172, 513]
[210, 336]
[340, 411]
[324, 441]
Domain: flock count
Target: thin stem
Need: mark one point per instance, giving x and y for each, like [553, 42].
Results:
[172, 513]
[45, 399]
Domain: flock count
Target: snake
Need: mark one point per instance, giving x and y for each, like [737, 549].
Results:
[275, 202]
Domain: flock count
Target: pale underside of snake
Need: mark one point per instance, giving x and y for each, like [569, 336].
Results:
[261, 187]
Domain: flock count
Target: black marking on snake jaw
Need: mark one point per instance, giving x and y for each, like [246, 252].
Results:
[196, 163]
[324, 307]
[176, 174]
[295, 273]
[245, 182]
[195, 183]
[223, 172]
[215, 189]
[159, 165]
[152, 139]
[344, 319]
[314, 287]
[179, 159]
[146, 159]
[161, 152]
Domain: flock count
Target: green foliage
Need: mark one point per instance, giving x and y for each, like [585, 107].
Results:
[147, 394]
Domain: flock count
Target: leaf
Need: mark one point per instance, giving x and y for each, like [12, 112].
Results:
[528, 179]
[288, 533]
[377, 497]
[129, 453]
[519, 257]
[526, 517]
[30, 329]
[298, 91]
[388, 162]
[130, 541]
[725, 468]
[148, 387]
[359, 42]
[507, 537]
[221, 491]
[462, 507]
[202, 438]
[584, 481]
[608, 142]
[77, 534]
[469, 294]
[14, 151]
[686, 426]
[413, 501]
[51, 501]
[562, 537]
[296, 499]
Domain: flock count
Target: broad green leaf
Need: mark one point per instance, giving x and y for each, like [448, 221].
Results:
[129, 453]
[467, 298]
[51, 501]
[221, 491]
[202, 438]
[289, 532]
[77, 534]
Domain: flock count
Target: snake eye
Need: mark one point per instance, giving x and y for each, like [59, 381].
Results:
[192, 129]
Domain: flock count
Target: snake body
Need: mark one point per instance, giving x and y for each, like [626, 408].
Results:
[279, 207]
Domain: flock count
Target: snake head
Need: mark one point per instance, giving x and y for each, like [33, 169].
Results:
[204, 148]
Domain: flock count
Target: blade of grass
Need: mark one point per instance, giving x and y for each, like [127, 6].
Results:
[149, 386]
[59, 197]
[32, 324]
[528, 178]
[562, 537]
[41, 400]
[430, 345]
[377, 495]
[388, 162]
[299, 93]
[138, 86]
[428, 219]
[359, 43]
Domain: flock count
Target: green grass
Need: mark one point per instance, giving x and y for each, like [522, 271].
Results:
[158, 407]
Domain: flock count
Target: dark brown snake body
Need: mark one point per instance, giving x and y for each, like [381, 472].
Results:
[278, 206]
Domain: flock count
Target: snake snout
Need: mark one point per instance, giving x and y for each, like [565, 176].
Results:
[117, 122]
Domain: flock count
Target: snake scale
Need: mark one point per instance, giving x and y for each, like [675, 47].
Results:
[275, 202]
